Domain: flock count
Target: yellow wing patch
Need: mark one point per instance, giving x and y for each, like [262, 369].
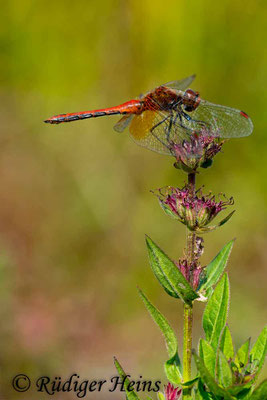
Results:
[141, 124]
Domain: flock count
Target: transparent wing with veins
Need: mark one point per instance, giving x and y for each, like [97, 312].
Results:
[180, 85]
[123, 123]
[219, 121]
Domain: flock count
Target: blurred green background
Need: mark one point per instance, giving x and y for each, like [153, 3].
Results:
[74, 198]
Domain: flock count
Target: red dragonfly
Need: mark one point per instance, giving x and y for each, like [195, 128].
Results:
[169, 114]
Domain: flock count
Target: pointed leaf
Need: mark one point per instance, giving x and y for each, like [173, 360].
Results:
[168, 211]
[173, 370]
[190, 383]
[241, 358]
[209, 380]
[161, 396]
[203, 395]
[223, 221]
[259, 350]
[130, 394]
[215, 313]
[261, 391]
[163, 324]
[225, 377]
[172, 366]
[216, 267]
[168, 274]
[206, 229]
[226, 344]
[208, 355]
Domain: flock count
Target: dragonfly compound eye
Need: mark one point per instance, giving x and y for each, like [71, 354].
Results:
[191, 100]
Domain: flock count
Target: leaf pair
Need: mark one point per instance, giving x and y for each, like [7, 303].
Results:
[173, 281]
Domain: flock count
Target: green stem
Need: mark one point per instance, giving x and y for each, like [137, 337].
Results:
[188, 309]
[187, 353]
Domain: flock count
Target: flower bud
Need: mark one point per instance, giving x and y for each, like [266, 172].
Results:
[196, 151]
[195, 211]
[172, 393]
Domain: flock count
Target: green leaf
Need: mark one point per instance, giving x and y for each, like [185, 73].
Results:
[260, 393]
[244, 395]
[241, 358]
[202, 394]
[209, 380]
[169, 275]
[225, 377]
[226, 344]
[241, 390]
[173, 370]
[168, 211]
[206, 229]
[130, 394]
[172, 366]
[163, 324]
[161, 396]
[259, 350]
[216, 267]
[208, 355]
[190, 383]
[215, 313]
[223, 221]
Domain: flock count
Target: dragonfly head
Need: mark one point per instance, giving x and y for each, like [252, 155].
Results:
[191, 100]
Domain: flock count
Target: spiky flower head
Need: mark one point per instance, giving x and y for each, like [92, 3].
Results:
[195, 211]
[196, 151]
[172, 393]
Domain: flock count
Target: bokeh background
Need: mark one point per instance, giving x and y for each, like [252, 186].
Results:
[74, 198]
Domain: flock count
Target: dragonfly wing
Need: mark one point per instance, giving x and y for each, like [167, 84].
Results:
[182, 84]
[123, 123]
[152, 130]
[220, 121]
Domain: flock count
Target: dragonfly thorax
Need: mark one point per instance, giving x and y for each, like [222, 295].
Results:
[162, 98]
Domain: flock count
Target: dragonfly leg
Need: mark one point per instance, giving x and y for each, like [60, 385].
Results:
[204, 125]
[155, 126]
[170, 127]
[180, 122]
[159, 123]
[179, 114]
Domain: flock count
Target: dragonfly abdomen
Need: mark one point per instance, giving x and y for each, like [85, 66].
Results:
[130, 107]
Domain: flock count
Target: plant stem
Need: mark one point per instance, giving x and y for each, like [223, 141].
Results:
[187, 353]
[188, 309]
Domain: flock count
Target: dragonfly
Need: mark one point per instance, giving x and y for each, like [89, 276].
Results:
[170, 114]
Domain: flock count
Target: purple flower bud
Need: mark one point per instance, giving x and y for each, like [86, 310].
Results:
[195, 211]
[196, 276]
[196, 151]
[191, 272]
[172, 393]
